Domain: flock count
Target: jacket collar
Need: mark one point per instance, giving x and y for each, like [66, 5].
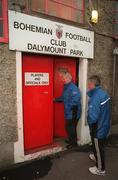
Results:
[93, 91]
[68, 84]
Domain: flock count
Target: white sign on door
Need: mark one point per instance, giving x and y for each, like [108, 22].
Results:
[33, 34]
[36, 79]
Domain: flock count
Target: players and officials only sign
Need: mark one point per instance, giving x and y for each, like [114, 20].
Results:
[36, 79]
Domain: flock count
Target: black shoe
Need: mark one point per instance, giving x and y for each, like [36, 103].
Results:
[70, 146]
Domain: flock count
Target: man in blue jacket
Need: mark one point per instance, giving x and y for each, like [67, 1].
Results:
[72, 106]
[99, 123]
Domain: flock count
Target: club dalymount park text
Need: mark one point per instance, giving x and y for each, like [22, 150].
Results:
[57, 46]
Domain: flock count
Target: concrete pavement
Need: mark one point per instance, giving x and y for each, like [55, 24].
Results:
[74, 166]
[69, 165]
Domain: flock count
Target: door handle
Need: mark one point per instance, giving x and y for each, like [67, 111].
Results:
[45, 92]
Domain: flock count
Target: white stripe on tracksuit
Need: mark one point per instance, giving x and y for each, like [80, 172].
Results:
[105, 101]
[98, 154]
[97, 144]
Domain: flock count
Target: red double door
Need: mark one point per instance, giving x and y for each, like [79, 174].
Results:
[43, 118]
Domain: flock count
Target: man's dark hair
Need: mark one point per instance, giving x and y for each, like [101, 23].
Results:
[96, 80]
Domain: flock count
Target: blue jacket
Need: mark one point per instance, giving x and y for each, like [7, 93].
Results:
[71, 98]
[99, 111]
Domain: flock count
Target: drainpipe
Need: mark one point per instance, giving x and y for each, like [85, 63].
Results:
[115, 53]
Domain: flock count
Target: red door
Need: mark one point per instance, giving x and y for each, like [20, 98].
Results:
[37, 100]
[59, 122]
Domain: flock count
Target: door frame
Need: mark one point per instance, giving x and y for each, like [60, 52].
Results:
[82, 129]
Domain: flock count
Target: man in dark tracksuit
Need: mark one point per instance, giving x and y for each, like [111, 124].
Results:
[99, 123]
[72, 107]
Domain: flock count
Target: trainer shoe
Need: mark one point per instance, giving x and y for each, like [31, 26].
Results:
[70, 146]
[92, 157]
[94, 170]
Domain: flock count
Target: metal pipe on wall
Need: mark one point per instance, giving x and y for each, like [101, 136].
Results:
[114, 76]
[115, 53]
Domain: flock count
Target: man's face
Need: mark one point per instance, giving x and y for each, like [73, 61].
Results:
[65, 78]
[61, 75]
[91, 85]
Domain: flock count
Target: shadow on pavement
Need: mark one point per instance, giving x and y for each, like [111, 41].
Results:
[31, 171]
[40, 168]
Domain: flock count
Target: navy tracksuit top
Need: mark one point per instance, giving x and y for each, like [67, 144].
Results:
[99, 111]
[71, 98]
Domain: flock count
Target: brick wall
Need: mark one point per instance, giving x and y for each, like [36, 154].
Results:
[8, 115]
[8, 109]
[102, 64]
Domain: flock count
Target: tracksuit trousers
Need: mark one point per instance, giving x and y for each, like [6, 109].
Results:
[99, 152]
[71, 130]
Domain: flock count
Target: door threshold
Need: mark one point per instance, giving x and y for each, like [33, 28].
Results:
[58, 142]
